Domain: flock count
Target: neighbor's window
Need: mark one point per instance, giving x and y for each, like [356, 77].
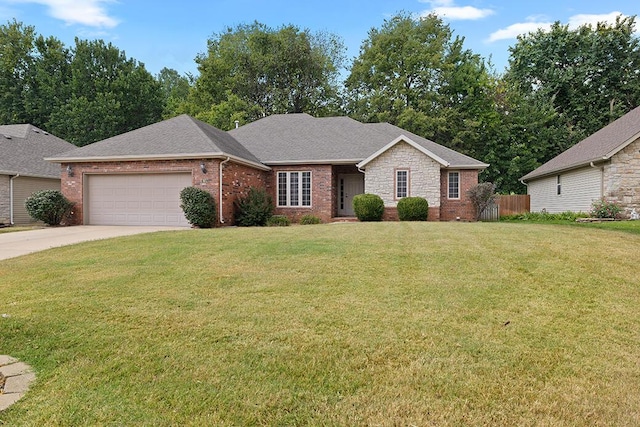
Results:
[558, 186]
[402, 183]
[454, 185]
[294, 189]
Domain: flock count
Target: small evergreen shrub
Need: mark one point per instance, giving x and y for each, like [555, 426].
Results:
[413, 209]
[309, 219]
[198, 206]
[254, 209]
[368, 207]
[48, 206]
[604, 209]
[278, 221]
[544, 216]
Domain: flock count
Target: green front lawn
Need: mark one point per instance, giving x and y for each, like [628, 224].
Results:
[342, 324]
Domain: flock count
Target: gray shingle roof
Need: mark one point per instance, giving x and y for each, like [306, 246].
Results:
[595, 148]
[300, 138]
[23, 149]
[179, 137]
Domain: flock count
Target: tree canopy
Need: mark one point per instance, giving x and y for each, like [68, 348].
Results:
[84, 94]
[253, 71]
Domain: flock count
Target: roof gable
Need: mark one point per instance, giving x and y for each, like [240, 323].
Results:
[402, 138]
[601, 145]
[301, 138]
[24, 148]
[178, 137]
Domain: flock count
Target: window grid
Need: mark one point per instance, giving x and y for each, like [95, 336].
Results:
[294, 189]
[454, 185]
[558, 186]
[402, 184]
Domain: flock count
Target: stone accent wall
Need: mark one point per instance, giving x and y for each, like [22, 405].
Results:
[462, 208]
[424, 178]
[323, 196]
[5, 199]
[236, 179]
[424, 175]
[622, 178]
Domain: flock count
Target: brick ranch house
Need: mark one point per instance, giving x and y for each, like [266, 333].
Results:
[605, 164]
[309, 166]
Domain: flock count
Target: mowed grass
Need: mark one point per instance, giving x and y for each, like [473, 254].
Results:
[388, 324]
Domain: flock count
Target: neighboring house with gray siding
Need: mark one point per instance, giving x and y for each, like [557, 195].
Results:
[605, 164]
[310, 166]
[23, 169]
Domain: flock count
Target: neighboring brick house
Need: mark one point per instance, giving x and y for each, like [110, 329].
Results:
[309, 165]
[605, 164]
[23, 169]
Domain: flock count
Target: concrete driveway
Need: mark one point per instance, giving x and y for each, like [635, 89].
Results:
[19, 243]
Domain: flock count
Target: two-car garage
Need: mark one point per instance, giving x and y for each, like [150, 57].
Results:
[135, 199]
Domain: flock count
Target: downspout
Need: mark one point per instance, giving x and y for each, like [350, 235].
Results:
[11, 198]
[220, 192]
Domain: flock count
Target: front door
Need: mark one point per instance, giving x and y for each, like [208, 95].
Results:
[349, 185]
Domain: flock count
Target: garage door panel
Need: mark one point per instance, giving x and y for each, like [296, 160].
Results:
[140, 199]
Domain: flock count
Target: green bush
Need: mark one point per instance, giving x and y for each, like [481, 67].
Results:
[48, 206]
[368, 207]
[278, 221]
[198, 206]
[413, 209]
[604, 209]
[309, 220]
[544, 216]
[254, 209]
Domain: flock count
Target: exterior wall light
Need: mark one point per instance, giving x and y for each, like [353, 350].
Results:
[203, 167]
[69, 170]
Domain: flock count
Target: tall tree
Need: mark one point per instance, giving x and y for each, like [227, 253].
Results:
[252, 71]
[175, 90]
[109, 94]
[589, 74]
[414, 73]
[16, 67]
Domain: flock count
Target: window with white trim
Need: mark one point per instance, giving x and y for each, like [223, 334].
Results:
[402, 183]
[294, 189]
[454, 185]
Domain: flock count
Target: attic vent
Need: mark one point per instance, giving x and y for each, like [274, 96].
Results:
[36, 131]
[46, 133]
[7, 136]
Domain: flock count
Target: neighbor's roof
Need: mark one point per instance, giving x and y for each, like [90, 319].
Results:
[23, 149]
[600, 146]
[301, 138]
[181, 137]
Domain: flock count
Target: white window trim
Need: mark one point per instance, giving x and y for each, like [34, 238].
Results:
[288, 189]
[449, 185]
[395, 190]
[558, 186]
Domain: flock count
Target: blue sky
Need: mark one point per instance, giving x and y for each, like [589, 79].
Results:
[171, 33]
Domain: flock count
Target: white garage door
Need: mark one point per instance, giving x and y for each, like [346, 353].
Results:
[143, 199]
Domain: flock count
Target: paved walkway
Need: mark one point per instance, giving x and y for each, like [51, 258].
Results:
[19, 243]
[15, 379]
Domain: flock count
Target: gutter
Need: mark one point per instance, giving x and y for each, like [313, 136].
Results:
[11, 198]
[220, 192]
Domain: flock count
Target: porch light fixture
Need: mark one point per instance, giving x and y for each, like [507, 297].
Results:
[69, 170]
[203, 167]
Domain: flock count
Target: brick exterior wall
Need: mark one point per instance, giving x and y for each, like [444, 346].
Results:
[236, 179]
[323, 193]
[622, 178]
[5, 199]
[452, 209]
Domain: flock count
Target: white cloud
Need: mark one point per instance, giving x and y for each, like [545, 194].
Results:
[583, 19]
[91, 13]
[448, 9]
[514, 30]
[575, 21]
